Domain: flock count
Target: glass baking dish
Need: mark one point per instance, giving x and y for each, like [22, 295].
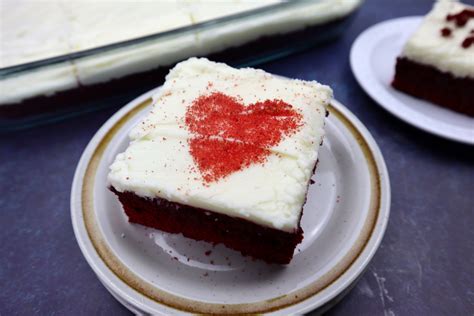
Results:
[56, 88]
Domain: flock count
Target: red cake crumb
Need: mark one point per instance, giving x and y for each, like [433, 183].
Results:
[207, 253]
[446, 32]
[468, 42]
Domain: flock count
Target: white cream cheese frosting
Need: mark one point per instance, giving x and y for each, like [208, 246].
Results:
[118, 21]
[88, 24]
[32, 30]
[299, 16]
[158, 163]
[427, 46]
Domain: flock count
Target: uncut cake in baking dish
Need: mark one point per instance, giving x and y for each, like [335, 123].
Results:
[225, 155]
[437, 62]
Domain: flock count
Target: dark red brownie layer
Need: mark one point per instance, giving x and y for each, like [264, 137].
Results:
[90, 96]
[427, 82]
[85, 95]
[268, 244]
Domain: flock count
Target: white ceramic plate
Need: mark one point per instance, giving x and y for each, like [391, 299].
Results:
[153, 272]
[373, 57]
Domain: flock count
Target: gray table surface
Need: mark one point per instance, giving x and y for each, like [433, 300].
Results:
[425, 264]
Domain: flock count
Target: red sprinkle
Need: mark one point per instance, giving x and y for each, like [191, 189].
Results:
[230, 136]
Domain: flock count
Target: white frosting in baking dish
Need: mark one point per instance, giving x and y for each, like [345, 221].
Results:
[427, 46]
[158, 163]
[30, 32]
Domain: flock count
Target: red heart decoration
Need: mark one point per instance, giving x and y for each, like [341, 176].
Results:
[229, 136]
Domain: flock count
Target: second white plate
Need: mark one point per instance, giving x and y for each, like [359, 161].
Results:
[373, 57]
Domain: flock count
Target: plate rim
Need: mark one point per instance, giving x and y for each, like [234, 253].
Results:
[374, 232]
[386, 101]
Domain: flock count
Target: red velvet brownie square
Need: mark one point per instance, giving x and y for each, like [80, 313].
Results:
[225, 156]
[437, 62]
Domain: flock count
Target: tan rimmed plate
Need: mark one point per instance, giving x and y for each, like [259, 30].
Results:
[153, 272]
